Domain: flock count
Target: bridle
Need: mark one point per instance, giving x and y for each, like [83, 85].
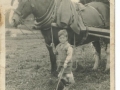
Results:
[21, 20]
[18, 12]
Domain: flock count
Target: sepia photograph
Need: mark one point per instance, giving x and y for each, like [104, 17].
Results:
[57, 45]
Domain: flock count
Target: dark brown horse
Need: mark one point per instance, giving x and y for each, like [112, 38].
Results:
[40, 9]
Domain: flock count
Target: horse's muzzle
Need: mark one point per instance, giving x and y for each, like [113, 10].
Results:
[15, 20]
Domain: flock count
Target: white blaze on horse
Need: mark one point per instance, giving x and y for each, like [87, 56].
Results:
[43, 12]
[14, 5]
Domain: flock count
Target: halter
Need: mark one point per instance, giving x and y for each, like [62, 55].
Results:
[47, 18]
[19, 14]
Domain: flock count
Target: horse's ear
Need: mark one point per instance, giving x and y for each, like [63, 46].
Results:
[12, 1]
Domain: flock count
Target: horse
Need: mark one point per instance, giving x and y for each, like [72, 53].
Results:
[40, 9]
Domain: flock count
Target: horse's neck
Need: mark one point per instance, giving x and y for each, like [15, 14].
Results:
[40, 7]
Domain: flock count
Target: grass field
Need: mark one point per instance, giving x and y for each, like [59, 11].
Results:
[28, 66]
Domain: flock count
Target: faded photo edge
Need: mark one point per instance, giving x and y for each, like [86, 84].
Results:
[2, 48]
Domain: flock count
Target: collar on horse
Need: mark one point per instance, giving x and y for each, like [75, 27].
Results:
[44, 22]
[47, 12]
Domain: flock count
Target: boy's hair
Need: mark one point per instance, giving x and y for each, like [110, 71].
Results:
[62, 32]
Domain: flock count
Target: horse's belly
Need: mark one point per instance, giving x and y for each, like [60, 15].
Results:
[91, 17]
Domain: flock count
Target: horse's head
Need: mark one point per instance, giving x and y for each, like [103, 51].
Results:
[21, 12]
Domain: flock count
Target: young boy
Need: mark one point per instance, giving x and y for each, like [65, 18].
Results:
[64, 59]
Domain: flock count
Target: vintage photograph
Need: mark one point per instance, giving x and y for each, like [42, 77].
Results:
[58, 44]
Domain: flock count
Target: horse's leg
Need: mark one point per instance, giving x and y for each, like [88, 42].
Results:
[108, 58]
[52, 60]
[97, 58]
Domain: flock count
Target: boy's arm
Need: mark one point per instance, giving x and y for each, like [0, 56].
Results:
[69, 54]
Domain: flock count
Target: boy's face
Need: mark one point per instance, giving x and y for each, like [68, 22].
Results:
[62, 39]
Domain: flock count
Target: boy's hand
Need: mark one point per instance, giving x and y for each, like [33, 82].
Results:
[65, 65]
[52, 44]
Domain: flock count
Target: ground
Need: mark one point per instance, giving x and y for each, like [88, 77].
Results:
[28, 65]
